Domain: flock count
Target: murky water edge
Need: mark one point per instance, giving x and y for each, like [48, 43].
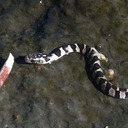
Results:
[60, 95]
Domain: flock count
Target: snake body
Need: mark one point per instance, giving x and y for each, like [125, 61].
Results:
[92, 57]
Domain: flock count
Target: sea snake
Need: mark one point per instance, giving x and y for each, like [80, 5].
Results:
[92, 58]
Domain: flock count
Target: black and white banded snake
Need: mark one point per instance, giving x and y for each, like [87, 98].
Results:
[92, 57]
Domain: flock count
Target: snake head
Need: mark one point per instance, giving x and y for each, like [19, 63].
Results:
[30, 58]
[37, 58]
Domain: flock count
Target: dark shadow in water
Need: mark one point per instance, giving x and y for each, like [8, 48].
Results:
[2, 61]
[20, 60]
[89, 74]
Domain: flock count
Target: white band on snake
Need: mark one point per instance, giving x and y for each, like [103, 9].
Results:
[92, 57]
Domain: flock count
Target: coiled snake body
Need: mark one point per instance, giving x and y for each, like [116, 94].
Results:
[92, 57]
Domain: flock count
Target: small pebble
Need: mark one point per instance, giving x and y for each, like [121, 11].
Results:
[16, 116]
[40, 1]
[50, 103]
[6, 126]
[111, 73]
[39, 67]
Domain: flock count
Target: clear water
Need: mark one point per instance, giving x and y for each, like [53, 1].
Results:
[60, 95]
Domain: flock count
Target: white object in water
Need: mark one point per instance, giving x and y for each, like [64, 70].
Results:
[6, 69]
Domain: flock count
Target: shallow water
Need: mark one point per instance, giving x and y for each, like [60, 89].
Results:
[60, 95]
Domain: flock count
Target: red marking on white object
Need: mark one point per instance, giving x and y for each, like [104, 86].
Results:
[6, 69]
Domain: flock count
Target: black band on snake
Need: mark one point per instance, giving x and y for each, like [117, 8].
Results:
[92, 57]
